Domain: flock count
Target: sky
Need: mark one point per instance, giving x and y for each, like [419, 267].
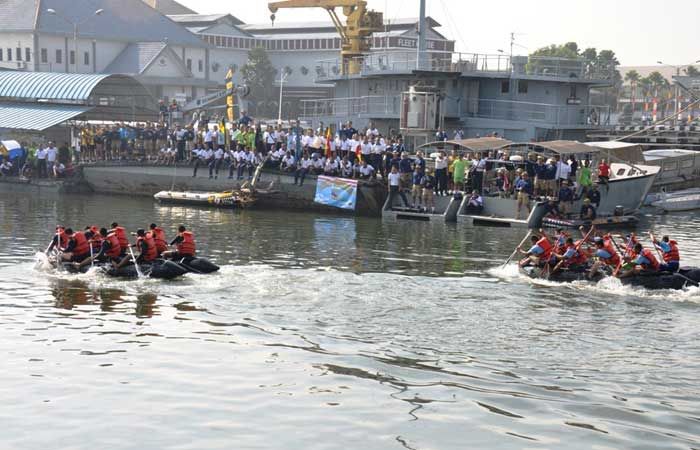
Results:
[640, 32]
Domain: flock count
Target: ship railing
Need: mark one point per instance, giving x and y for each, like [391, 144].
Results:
[377, 105]
[545, 113]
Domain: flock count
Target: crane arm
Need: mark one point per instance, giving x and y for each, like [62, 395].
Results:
[274, 6]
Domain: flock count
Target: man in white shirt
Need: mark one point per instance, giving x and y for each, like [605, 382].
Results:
[366, 171]
[288, 163]
[209, 139]
[269, 138]
[394, 178]
[5, 168]
[331, 167]
[372, 131]
[215, 163]
[563, 170]
[302, 169]
[41, 161]
[345, 168]
[51, 155]
[366, 148]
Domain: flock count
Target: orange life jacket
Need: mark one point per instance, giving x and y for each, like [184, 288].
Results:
[614, 260]
[579, 257]
[187, 246]
[96, 239]
[546, 246]
[653, 262]
[82, 246]
[159, 237]
[115, 250]
[151, 253]
[672, 255]
[123, 239]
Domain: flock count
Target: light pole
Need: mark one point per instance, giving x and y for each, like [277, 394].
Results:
[75, 24]
[283, 78]
[676, 105]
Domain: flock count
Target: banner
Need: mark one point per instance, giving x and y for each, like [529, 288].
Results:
[338, 192]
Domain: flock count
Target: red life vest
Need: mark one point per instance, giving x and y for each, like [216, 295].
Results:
[159, 237]
[82, 246]
[187, 246]
[579, 257]
[546, 246]
[653, 262]
[672, 255]
[614, 260]
[123, 239]
[62, 238]
[115, 250]
[151, 253]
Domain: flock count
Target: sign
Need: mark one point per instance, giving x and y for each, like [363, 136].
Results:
[338, 192]
[230, 98]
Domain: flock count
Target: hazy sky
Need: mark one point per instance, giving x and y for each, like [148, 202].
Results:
[641, 32]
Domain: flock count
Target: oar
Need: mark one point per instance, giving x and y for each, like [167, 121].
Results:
[517, 248]
[92, 262]
[577, 247]
[653, 243]
[136, 264]
[622, 256]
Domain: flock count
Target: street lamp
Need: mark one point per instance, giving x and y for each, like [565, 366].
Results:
[283, 77]
[75, 24]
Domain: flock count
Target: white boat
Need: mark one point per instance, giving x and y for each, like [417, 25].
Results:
[659, 196]
[686, 202]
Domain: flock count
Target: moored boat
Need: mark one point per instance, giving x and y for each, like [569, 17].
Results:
[687, 202]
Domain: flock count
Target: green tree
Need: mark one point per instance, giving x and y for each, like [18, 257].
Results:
[259, 74]
[632, 76]
[692, 71]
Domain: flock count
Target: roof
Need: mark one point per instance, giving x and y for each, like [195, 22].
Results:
[121, 20]
[204, 18]
[270, 28]
[135, 58]
[18, 14]
[169, 7]
[48, 85]
[475, 144]
[611, 144]
[36, 116]
[566, 147]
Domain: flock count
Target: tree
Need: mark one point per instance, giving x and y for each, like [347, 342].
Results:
[692, 71]
[632, 76]
[259, 74]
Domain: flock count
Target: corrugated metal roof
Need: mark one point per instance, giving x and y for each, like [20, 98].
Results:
[135, 58]
[37, 117]
[18, 15]
[48, 85]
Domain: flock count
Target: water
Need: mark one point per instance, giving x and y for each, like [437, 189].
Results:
[325, 332]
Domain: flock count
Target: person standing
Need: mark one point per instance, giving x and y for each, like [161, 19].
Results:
[395, 188]
[524, 189]
[459, 169]
[180, 138]
[51, 156]
[441, 173]
[41, 161]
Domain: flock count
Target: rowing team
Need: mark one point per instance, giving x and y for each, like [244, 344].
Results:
[625, 260]
[102, 245]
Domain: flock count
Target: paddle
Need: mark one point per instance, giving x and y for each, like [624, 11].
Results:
[92, 262]
[576, 247]
[653, 243]
[136, 264]
[689, 280]
[622, 258]
[517, 248]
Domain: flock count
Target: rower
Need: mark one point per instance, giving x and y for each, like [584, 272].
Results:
[185, 245]
[78, 247]
[644, 261]
[159, 237]
[120, 232]
[96, 241]
[606, 254]
[573, 257]
[147, 249]
[539, 252]
[59, 240]
[670, 253]
[110, 250]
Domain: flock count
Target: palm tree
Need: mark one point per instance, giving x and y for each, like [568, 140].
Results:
[692, 71]
[633, 78]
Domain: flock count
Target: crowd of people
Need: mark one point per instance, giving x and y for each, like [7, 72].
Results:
[111, 245]
[627, 258]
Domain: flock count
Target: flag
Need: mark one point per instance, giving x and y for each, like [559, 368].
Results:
[358, 152]
[222, 129]
[329, 139]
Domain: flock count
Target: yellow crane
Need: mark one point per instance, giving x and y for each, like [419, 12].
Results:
[361, 23]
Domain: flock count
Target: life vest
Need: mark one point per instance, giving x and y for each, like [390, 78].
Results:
[62, 238]
[614, 260]
[672, 255]
[159, 237]
[115, 250]
[123, 239]
[82, 246]
[187, 246]
[653, 262]
[579, 257]
[151, 252]
[546, 246]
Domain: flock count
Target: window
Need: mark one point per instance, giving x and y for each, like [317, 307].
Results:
[229, 42]
[18, 52]
[189, 64]
[200, 65]
[304, 44]
[297, 44]
[59, 56]
[522, 86]
[286, 44]
[71, 57]
[317, 44]
[505, 87]
[572, 91]
[86, 58]
[236, 43]
[670, 166]
[44, 56]
[1, 54]
[9, 54]
[687, 164]
[324, 43]
[27, 54]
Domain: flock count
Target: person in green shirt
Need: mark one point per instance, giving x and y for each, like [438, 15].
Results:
[459, 172]
[584, 177]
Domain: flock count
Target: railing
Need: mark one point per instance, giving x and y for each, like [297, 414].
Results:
[402, 62]
[390, 107]
[545, 113]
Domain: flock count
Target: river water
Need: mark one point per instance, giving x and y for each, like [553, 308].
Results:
[324, 332]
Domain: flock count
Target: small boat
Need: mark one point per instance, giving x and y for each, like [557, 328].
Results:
[242, 198]
[197, 265]
[688, 202]
[161, 269]
[659, 196]
[685, 277]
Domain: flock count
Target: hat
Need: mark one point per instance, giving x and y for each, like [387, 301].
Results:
[597, 239]
[586, 200]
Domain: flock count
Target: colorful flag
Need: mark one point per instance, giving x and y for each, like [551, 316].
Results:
[329, 140]
[358, 152]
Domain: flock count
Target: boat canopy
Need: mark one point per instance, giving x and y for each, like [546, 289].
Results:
[474, 144]
[625, 151]
[566, 147]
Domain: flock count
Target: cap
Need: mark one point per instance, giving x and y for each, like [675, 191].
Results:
[586, 200]
[597, 239]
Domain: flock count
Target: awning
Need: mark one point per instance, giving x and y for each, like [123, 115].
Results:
[37, 116]
[474, 145]
[566, 147]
